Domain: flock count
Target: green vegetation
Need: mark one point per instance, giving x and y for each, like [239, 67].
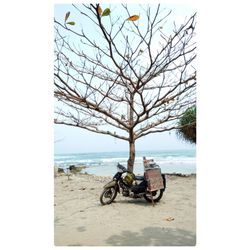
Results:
[187, 126]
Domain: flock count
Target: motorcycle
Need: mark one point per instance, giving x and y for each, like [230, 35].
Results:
[129, 185]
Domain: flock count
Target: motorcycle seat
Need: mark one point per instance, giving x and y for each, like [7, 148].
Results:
[139, 178]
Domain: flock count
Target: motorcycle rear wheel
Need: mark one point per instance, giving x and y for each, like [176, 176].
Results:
[108, 195]
[157, 195]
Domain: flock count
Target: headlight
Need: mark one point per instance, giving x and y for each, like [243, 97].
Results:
[119, 170]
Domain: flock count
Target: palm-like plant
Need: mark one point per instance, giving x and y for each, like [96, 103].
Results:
[187, 125]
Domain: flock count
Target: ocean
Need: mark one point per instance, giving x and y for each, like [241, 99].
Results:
[104, 163]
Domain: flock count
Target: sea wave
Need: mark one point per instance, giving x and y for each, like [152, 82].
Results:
[113, 161]
[105, 163]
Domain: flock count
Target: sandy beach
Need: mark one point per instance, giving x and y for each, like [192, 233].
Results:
[80, 219]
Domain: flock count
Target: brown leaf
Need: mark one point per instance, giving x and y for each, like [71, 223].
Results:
[99, 10]
[169, 219]
[67, 16]
[133, 18]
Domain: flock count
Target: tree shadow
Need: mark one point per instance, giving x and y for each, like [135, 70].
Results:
[154, 236]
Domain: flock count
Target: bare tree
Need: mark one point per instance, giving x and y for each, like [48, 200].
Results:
[124, 78]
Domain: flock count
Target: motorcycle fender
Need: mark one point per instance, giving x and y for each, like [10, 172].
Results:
[110, 184]
[164, 180]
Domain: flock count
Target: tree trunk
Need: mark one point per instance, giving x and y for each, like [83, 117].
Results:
[131, 159]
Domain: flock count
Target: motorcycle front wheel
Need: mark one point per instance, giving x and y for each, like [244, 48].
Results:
[157, 195]
[108, 195]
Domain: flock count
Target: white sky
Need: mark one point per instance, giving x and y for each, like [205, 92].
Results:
[75, 140]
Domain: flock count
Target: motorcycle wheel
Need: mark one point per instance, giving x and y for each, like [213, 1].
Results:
[108, 195]
[156, 196]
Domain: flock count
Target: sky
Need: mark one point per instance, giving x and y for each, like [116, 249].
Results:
[74, 140]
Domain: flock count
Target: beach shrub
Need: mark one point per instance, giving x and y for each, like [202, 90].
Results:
[187, 126]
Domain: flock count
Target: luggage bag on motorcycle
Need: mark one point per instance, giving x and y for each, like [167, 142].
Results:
[154, 179]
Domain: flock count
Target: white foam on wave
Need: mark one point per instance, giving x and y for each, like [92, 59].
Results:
[138, 160]
[119, 159]
[101, 163]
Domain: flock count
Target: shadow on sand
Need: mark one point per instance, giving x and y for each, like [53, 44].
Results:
[154, 236]
[139, 202]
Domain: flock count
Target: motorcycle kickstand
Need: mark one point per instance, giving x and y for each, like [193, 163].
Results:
[152, 198]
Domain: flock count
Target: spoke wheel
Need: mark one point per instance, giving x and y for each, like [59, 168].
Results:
[108, 195]
[157, 195]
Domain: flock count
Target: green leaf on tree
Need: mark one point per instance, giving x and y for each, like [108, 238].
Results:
[67, 16]
[106, 12]
[71, 23]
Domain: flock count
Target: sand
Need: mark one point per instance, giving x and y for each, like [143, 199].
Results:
[80, 219]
